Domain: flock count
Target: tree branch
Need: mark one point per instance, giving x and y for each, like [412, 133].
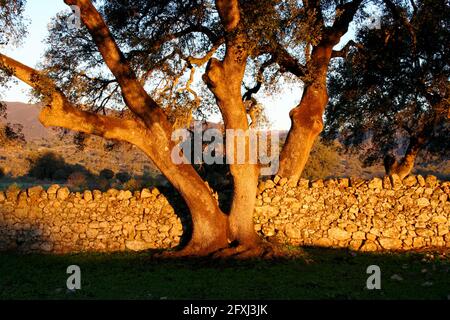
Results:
[344, 51]
[229, 13]
[135, 96]
[400, 15]
[259, 80]
[286, 61]
[59, 112]
[344, 16]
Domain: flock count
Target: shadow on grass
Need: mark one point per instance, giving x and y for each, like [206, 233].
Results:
[325, 274]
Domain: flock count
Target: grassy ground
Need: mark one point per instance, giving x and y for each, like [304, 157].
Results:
[325, 274]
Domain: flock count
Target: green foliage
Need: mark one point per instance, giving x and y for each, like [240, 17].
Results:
[106, 174]
[132, 184]
[123, 176]
[11, 134]
[44, 166]
[60, 175]
[394, 86]
[324, 161]
[78, 181]
[51, 166]
[12, 24]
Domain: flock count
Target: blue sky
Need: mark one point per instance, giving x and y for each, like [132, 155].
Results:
[40, 12]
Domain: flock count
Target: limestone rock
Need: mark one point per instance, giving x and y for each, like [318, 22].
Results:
[376, 183]
[12, 193]
[63, 193]
[423, 202]
[35, 192]
[344, 183]
[269, 184]
[369, 246]
[282, 182]
[87, 196]
[359, 235]
[390, 244]
[137, 245]
[424, 232]
[53, 189]
[410, 181]
[146, 193]
[396, 182]
[339, 234]
[431, 181]
[421, 180]
[439, 219]
[322, 242]
[292, 232]
[276, 179]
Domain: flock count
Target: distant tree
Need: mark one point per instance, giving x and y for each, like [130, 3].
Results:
[12, 30]
[78, 180]
[123, 176]
[48, 166]
[106, 174]
[324, 161]
[393, 89]
[11, 134]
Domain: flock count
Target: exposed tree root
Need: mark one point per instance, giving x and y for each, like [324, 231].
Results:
[191, 250]
[261, 250]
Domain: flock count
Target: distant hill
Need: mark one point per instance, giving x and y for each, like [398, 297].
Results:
[28, 116]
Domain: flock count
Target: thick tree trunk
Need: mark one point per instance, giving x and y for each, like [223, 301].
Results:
[224, 79]
[209, 223]
[404, 167]
[306, 118]
[245, 175]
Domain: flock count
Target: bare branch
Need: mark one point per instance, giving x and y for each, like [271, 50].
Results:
[344, 16]
[201, 61]
[344, 51]
[259, 80]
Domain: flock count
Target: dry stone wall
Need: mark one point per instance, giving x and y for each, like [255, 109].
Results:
[380, 214]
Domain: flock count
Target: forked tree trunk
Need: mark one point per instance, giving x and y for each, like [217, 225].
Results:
[306, 118]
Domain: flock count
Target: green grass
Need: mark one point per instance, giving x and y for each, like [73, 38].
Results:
[325, 274]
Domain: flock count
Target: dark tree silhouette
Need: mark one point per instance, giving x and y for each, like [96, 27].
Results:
[394, 88]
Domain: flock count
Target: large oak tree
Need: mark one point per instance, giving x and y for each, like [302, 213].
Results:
[133, 54]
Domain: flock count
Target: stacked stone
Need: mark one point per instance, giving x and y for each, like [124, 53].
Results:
[362, 215]
[380, 214]
[59, 221]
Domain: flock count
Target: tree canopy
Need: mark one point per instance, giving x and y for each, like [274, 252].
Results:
[393, 89]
